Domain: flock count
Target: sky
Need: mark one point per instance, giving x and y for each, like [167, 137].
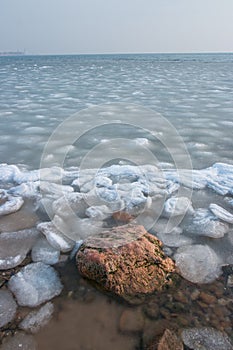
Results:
[116, 26]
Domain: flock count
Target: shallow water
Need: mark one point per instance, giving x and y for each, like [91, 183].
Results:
[192, 93]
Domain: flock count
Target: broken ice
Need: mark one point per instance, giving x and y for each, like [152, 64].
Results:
[198, 263]
[35, 284]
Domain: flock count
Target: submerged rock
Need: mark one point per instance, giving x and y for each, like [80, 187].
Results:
[37, 319]
[206, 338]
[35, 284]
[126, 260]
[170, 341]
[8, 307]
[198, 263]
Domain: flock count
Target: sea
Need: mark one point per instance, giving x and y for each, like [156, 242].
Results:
[193, 92]
[174, 111]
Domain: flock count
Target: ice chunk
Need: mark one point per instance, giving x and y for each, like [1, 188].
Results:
[8, 307]
[54, 190]
[74, 202]
[76, 228]
[206, 338]
[204, 223]
[43, 251]
[34, 284]
[3, 196]
[14, 247]
[19, 341]
[55, 237]
[8, 172]
[221, 213]
[174, 238]
[37, 319]
[198, 263]
[26, 190]
[29, 176]
[11, 205]
[100, 212]
[177, 206]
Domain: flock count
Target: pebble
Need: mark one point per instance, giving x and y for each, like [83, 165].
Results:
[207, 298]
[131, 320]
[205, 338]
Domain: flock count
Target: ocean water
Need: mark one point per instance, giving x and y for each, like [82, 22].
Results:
[174, 111]
[194, 92]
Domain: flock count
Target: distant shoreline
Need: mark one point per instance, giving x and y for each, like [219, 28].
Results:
[12, 53]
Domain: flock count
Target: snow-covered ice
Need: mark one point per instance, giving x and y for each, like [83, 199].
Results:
[34, 284]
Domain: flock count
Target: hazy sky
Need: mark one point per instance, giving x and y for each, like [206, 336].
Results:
[106, 26]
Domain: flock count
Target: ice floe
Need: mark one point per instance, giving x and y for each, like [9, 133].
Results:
[34, 284]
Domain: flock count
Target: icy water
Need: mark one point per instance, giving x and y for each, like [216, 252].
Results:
[162, 109]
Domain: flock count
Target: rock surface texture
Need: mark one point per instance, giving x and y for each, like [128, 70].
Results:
[126, 260]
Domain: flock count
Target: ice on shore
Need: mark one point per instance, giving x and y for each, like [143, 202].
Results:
[20, 341]
[221, 213]
[34, 284]
[14, 247]
[8, 307]
[11, 205]
[37, 319]
[198, 263]
[175, 206]
[44, 252]
[56, 239]
[205, 223]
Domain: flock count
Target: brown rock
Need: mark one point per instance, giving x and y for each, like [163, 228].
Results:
[170, 341]
[131, 320]
[122, 216]
[207, 298]
[126, 260]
